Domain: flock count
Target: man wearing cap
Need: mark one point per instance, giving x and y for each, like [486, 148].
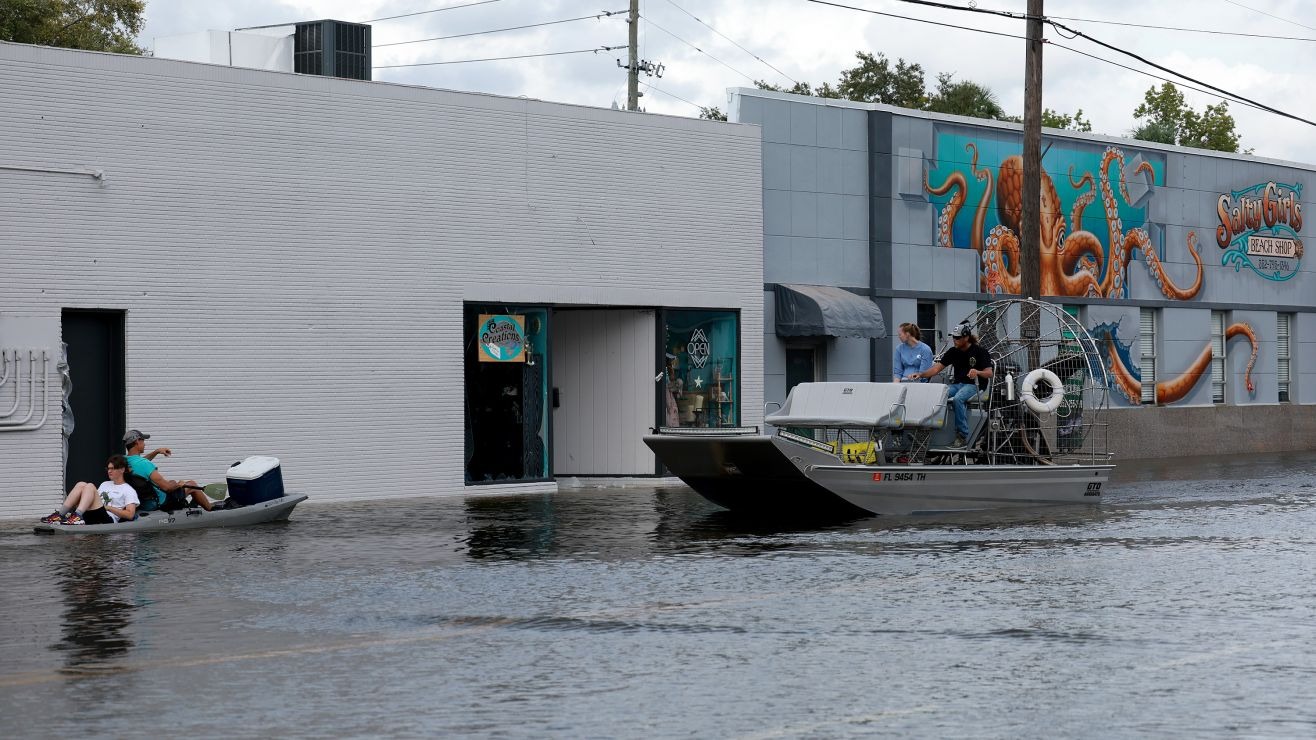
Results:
[972, 365]
[134, 444]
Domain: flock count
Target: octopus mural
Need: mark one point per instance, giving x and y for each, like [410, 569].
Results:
[1072, 264]
[1126, 378]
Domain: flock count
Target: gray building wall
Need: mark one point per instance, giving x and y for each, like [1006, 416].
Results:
[911, 152]
[293, 253]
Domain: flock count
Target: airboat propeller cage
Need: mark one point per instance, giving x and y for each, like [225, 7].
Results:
[254, 480]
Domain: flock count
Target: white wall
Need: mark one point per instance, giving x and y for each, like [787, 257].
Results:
[293, 252]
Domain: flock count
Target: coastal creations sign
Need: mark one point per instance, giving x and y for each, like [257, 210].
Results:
[502, 337]
[1259, 229]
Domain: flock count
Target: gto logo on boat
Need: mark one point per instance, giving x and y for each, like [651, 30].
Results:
[699, 348]
[1094, 489]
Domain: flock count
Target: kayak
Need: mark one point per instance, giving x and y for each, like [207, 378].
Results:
[274, 510]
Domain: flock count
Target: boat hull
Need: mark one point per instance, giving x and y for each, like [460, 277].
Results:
[160, 521]
[746, 474]
[899, 490]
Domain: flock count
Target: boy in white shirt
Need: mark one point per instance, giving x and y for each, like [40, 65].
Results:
[111, 502]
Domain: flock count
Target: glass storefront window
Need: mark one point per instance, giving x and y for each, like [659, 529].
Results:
[506, 393]
[702, 369]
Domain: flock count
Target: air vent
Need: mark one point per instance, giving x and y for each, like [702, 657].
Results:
[333, 49]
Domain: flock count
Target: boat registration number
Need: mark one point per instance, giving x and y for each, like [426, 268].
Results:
[879, 477]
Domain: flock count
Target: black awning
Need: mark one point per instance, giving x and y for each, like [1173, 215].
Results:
[820, 310]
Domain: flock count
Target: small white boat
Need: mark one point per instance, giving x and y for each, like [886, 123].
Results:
[1037, 435]
[274, 510]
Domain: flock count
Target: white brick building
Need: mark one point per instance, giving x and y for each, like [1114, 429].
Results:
[269, 263]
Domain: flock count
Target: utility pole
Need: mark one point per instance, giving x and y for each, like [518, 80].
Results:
[1030, 267]
[633, 69]
[635, 65]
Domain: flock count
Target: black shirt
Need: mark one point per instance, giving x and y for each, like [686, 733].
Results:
[972, 358]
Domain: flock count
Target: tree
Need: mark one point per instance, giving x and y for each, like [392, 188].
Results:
[712, 113]
[1056, 119]
[95, 25]
[874, 81]
[1167, 118]
[824, 90]
[965, 98]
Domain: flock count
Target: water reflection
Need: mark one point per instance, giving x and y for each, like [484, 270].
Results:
[96, 579]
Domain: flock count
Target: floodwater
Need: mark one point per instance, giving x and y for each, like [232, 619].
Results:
[1184, 606]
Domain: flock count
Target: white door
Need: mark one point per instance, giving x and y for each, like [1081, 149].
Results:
[603, 369]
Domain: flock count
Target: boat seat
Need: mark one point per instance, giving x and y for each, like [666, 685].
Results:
[926, 408]
[833, 405]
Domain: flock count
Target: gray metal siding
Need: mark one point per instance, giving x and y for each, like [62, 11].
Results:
[293, 252]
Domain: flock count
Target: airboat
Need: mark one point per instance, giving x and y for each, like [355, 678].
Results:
[1038, 434]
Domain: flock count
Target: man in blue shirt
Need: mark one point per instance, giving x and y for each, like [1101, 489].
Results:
[911, 355]
[134, 444]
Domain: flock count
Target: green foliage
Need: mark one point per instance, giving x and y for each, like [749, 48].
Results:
[824, 90]
[95, 25]
[1056, 119]
[1167, 118]
[964, 98]
[874, 80]
[712, 113]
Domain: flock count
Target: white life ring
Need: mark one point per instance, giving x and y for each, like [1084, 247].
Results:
[1053, 401]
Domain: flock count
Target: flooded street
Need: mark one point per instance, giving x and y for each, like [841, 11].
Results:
[1183, 606]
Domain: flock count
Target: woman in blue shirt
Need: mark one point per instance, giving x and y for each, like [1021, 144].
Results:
[911, 355]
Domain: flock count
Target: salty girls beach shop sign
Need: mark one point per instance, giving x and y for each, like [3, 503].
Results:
[502, 337]
[1259, 229]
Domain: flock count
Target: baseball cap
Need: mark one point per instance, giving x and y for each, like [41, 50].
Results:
[133, 435]
[963, 330]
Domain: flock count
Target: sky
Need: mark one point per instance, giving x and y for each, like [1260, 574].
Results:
[782, 41]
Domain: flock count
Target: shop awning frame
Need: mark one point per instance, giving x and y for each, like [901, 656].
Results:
[826, 311]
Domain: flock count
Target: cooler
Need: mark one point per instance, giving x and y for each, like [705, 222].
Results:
[254, 480]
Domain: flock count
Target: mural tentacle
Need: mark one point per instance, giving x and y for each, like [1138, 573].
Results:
[1167, 286]
[1129, 381]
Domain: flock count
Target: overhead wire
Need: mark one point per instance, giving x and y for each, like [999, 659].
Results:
[1183, 29]
[1272, 15]
[696, 48]
[733, 41]
[432, 10]
[1075, 33]
[670, 95]
[1181, 75]
[602, 14]
[499, 59]
[923, 20]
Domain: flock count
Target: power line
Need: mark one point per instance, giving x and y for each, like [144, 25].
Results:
[1075, 33]
[1113, 63]
[433, 10]
[696, 48]
[1020, 16]
[1272, 15]
[602, 14]
[733, 41]
[1187, 30]
[924, 20]
[499, 59]
[1180, 75]
[670, 95]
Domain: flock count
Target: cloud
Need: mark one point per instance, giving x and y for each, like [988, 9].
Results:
[814, 43]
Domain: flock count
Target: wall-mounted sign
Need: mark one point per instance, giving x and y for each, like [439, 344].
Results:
[698, 348]
[502, 337]
[1259, 229]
